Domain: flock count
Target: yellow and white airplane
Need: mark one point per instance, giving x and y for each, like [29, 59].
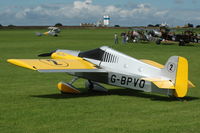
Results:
[53, 31]
[106, 65]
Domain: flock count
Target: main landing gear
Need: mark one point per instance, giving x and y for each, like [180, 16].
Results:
[69, 88]
[94, 86]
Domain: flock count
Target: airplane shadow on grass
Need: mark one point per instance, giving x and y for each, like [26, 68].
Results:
[119, 92]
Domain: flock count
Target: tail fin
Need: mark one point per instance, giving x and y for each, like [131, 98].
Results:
[176, 69]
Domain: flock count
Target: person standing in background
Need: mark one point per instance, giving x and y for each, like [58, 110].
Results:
[116, 38]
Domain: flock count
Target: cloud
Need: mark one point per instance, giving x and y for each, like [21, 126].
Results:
[86, 11]
[161, 13]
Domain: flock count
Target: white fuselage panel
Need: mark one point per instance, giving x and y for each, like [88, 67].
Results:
[128, 65]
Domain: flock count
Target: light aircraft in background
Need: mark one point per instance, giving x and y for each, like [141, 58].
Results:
[106, 65]
[53, 31]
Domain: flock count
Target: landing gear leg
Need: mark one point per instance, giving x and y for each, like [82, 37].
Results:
[73, 80]
[94, 86]
[68, 87]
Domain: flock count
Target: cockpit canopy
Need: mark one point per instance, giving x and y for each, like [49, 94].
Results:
[96, 54]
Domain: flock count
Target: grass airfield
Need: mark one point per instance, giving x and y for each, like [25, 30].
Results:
[30, 101]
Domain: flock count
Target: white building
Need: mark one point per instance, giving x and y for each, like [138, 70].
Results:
[106, 20]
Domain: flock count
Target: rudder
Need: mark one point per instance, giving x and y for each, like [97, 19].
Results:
[181, 84]
[176, 69]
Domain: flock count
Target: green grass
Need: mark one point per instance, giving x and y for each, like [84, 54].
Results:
[30, 101]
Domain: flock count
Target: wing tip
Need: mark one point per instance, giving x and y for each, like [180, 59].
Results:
[20, 63]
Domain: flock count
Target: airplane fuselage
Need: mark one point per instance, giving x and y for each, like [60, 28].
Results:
[122, 71]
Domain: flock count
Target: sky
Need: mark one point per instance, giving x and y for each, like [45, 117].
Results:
[121, 12]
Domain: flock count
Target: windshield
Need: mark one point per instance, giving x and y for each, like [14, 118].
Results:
[96, 54]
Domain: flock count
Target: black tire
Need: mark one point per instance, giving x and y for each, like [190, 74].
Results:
[181, 43]
[158, 42]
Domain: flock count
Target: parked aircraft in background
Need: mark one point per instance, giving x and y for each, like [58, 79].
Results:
[53, 31]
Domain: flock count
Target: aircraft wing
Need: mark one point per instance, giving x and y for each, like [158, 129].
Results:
[56, 65]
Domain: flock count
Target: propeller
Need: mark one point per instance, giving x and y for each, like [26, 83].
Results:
[46, 54]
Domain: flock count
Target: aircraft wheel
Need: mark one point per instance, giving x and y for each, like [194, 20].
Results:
[158, 42]
[181, 43]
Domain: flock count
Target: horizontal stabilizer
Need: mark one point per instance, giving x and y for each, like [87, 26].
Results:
[153, 63]
[164, 84]
[190, 84]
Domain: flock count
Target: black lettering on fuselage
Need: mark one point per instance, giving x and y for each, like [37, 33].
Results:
[127, 81]
[142, 83]
[123, 80]
[135, 82]
[113, 78]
